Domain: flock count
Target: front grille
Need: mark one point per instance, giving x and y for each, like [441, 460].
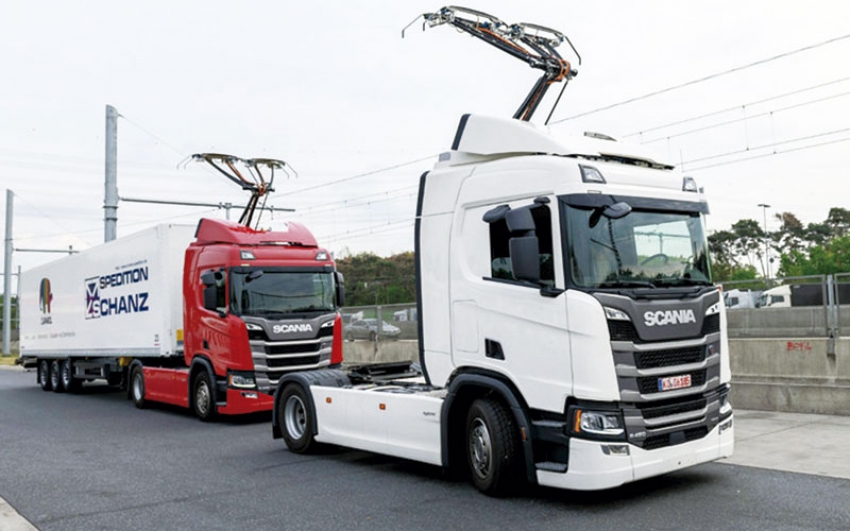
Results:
[282, 363]
[257, 335]
[668, 357]
[672, 439]
[273, 349]
[326, 331]
[652, 412]
[649, 384]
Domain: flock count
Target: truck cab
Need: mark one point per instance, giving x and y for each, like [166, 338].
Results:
[258, 304]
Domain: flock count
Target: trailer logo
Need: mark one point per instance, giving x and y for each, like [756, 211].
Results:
[45, 298]
[100, 304]
[661, 318]
[287, 328]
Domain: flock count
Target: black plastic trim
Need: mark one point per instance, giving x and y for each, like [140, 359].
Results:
[418, 266]
[460, 128]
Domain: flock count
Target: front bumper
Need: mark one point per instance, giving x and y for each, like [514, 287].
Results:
[246, 401]
[592, 468]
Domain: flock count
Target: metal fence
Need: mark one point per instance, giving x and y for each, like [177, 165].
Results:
[809, 306]
[397, 322]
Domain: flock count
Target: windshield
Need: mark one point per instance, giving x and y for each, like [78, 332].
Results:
[643, 249]
[268, 291]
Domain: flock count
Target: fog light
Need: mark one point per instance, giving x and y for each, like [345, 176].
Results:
[616, 449]
[725, 426]
[249, 395]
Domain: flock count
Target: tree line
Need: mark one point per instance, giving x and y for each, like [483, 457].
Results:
[795, 249]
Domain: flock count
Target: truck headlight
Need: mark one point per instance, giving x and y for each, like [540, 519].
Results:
[725, 405]
[241, 381]
[605, 423]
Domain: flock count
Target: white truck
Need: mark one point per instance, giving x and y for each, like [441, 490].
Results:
[569, 331]
[741, 299]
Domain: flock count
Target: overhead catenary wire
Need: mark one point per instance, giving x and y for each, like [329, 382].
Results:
[734, 108]
[745, 118]
[763, 155]
[702, 79]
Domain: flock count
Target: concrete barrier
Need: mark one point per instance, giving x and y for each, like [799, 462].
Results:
[797, 375]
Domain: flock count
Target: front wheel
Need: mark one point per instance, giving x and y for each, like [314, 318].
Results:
[296, 415]
[492, 448]
[203, 398]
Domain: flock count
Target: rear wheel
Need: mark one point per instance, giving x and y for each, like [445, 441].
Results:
[492, 448]
[137, 386]
[71, 384]
[297, 418]
[56, 376]
[44, 375]
[203, 399]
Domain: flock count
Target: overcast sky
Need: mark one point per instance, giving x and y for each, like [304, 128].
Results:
[333, 89]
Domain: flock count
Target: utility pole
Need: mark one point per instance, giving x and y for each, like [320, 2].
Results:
[7, 276]
[766, 246]
[110, 197]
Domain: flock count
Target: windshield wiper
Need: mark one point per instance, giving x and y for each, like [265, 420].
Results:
[684, 282]
[626, 283]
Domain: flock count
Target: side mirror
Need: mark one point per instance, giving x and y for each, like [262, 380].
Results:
[210, 298]
[208, 278]
[340, 289]
[525, 258]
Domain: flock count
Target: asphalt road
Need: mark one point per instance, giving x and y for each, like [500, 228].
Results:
[92, 461]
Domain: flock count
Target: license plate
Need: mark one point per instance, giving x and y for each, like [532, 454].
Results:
[674, 382]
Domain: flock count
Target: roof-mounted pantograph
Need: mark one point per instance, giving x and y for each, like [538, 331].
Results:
[531, 43]
[257, 184]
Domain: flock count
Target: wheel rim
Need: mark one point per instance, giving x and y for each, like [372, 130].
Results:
[138, 386]
[202, 399]
[296, 417]
[480, 449]
[54, 374]
[44, 374]
[66, 374]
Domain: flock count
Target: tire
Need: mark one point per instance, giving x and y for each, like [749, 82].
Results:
[349, 336]
[44, 375]
[296, 418]
[203, 396]
[137, 386]
[492, 448]
[372, 336]
[71, 384]
[56, 376]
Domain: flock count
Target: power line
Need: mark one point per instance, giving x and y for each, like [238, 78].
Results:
[802, 148]
[735, 108]
[766, 146]
[347, 202]
[374, 229]
[366, 174]
[745, 118]
[702, 79]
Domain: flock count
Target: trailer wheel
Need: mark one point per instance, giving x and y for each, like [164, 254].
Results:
[56, 376]
[492, 448]
[70, 384]
[203, 398]
[137, 386]
[44, 375]
[297, 419]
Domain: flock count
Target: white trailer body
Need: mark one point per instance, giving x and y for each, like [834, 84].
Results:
[122, 298]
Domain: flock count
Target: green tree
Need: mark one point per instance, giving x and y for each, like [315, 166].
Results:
[834, 257]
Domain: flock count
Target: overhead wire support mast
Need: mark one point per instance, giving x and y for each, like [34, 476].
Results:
[258, 185]
[531, 43]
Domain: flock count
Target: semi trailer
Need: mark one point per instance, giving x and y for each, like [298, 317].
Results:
[207, 317]
[570, 334]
